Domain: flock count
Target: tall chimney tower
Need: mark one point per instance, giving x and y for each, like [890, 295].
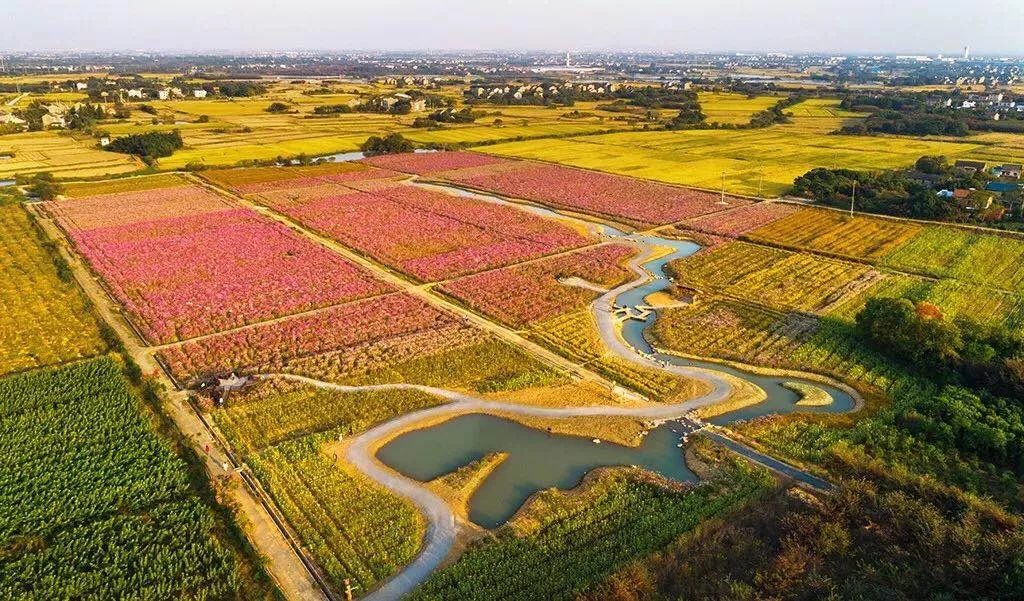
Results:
[967, 52]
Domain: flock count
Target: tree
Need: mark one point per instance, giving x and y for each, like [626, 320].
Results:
[936, 165]
[44, 187]
[277, 107]
[150, 145]
[392, 144]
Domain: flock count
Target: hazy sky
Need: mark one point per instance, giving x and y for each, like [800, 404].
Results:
[898, 26]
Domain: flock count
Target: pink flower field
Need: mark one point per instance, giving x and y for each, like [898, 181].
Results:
[741, 220]
[429, 235]
[193, 274]
[424, 163]
[523, 294]
[336, 342]
[631, 200]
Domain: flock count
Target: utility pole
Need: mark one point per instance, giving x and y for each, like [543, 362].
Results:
[853, 197]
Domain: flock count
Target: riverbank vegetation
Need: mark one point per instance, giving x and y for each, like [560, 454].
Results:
[561, 543]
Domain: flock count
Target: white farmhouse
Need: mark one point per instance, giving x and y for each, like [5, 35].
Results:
[199, 93]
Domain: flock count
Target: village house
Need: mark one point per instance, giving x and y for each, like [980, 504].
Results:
[969, 166]
[81, 86]
[9, 119]
[135, 93]
[53, 121]
[1010, 170]
[163, 94]
[199, 93]
[418, 105]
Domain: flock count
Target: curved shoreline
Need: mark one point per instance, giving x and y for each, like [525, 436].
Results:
[442, 526]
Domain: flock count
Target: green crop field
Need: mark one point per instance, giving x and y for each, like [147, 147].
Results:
[92, 503]
[562, 543]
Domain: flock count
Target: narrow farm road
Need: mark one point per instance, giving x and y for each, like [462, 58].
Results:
[282, 561]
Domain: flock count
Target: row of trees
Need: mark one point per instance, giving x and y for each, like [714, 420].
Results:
[899, 193]
[918, 335]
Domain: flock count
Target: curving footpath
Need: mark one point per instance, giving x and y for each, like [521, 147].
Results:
[441, 526]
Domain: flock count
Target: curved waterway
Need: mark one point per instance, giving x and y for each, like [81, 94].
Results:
[539, 460]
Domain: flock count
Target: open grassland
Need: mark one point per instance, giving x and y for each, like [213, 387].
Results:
[562, 542]
[768, 158]
[575, 335]
[127, 184]
[256, 180]
[735, 109]
[94, 504]
[777, 278]
[275, 411]
[44, 318]
[354, 528]
[835, 233]
[427, 234]
[62, 155]
[184, 263]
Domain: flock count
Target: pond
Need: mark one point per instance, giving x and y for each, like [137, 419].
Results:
[537, 459]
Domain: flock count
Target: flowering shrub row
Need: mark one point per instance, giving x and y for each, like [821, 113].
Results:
[523, 294]
[627, 199]
[123, 208]
[341, 340]
[742, 219]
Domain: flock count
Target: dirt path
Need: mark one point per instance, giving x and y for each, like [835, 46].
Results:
[442, 527]
[282, 561]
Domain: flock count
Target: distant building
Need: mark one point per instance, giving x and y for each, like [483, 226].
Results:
[969, 166]
[163, 94]
[135, 93]
[925, 179]
[8, 119]
[418, 105]
[53, 121]
[1010, 170]
[1001, 187]
[199, 93]
[81, 86]
[105, 141]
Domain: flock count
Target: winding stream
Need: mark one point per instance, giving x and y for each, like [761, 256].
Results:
[400, 456]
[539, 460]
